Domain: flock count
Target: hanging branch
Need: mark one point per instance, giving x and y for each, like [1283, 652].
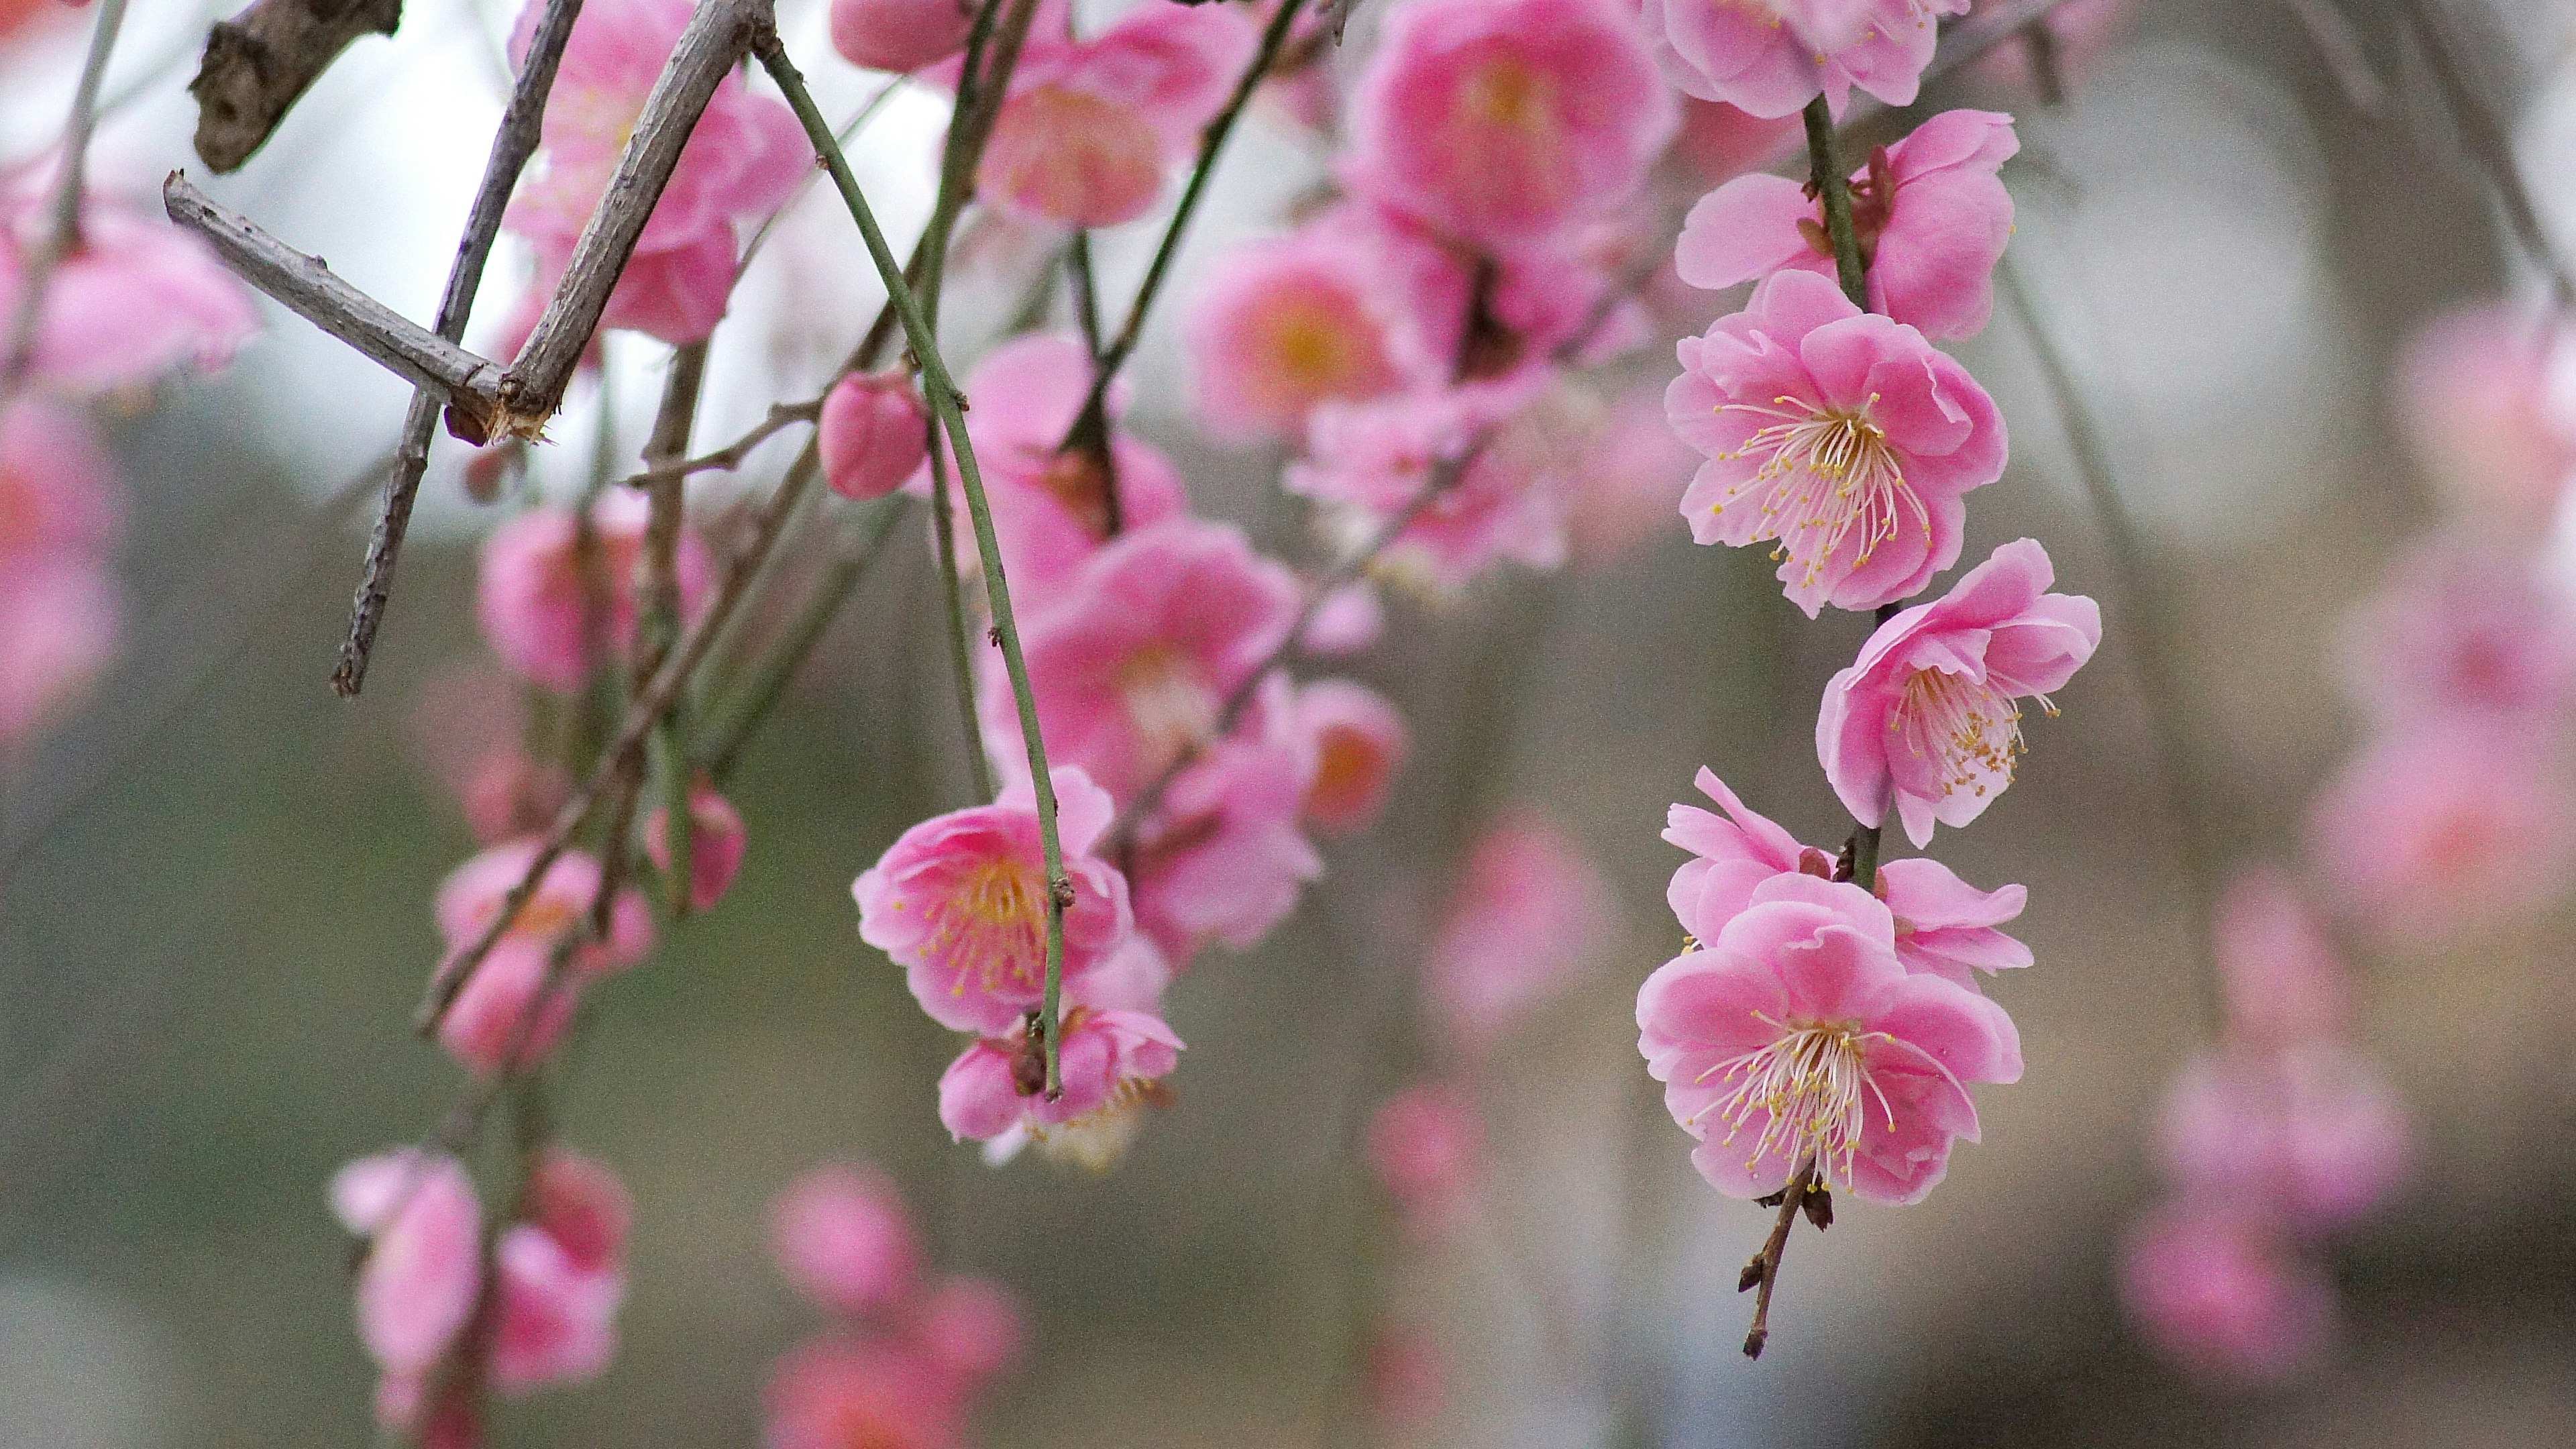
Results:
[64, 236]
[733, 722]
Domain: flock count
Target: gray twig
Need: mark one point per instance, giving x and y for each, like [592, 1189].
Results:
[260, 62]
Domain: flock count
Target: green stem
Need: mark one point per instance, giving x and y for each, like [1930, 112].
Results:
[961, 629]
[734, 724]
[946, 400]
[659, 589]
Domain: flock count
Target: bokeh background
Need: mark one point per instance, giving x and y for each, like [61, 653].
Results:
[214, 879]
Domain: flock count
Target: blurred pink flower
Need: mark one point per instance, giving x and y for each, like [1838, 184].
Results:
[2310, 1131]
[579, 1202]
[1426, 1147]
[2446, 829]
[717, 842]
[1359, 741]
[506, 795]
[1725, 141]
[2225, 1293]
[508, 1001]
[1798, 1032]
[2080, 33]
[1932, 218]
[1288, 322]
[1349, 620]
[843, 1237]
[1529, 914]
[838, 1392]
[2460, 625]
[59, 620]
[557, 1321]
[972, 1327]
[1927, 718]
[138, 298]
[1633, 470]
[1771, 57]
[423, 1264]
[1222, 857]
[1841, 434]
[474, 892]
[873, 433]
[536, 612]
[960, 902]
[2283, 980]
[59, 498]
[1404, 1377]
[1500, 121]
[898, 35]
[1111, 1060]
[2473, 397]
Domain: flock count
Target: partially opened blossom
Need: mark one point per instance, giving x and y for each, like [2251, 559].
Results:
[513, 1011]
[873, 432]
[1359, 741]
[59, 620]
[1498, 121]
[2283, 980]
[843, 1237]
[2446, 830]
[2311, 1130]
[1111, 1061]
[423, 1264]
[1426, 1148]
[1092, 127]
[717, 841]
[1288, 322]
[899, 35]
[1841, 435]
[474, 893]
[1530, 912]
[1798, 1037]
[836, 1392]
[1948, 927]
[1223, 857]
[1771, 57]
[960, 902]
[1931, 216]
[972, 1327]
[1929, 717]
[2460, 626]
[2225, 1292]
[2473, 398]
[136, 299]
[1133, 661]
[554, 611]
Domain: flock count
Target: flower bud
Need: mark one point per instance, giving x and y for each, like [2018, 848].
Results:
[897, 35]
[873, 433]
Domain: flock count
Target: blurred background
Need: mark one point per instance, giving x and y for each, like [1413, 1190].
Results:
[215, 877]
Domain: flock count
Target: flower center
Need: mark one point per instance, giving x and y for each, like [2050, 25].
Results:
[1828, 477]
[1168, 701]
[1810, 1089]
[1971, 727]
[989, 927]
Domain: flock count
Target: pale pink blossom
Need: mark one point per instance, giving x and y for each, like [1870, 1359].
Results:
[1092, 127]
[423, 1264]
[1928, 718]
[515, 999]
[2310, 1130]
[1771, 57]
[960, 902]
[2080, 34]
[972, 1327]
[843, 1237]
[1426, 1148]
[717, 841]
[1359, 741]
[2283, 980]
[1498, 121]
[473, 894]
[1288, 322]
[2225, 1293]
[899, 35]
[1222, 857]
[837, 1392]
[1931, 215]
[2460, 625]
[1798, 1035]
[1841, 435]
[59, 498]
[137, 298]
[2473, 397]
[873, 433]
[1347, 621]
[59, 620]
[2447, 829]
[558, 1321]
[537, 608]
[1529, 914]
[580, 1203]
[1111, 1063]
[1134, 660]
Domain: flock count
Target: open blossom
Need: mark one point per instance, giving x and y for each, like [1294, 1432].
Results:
[899, 35]
[474, 893]
[717, 841]
[2226, 1292]
[838, 1391]
[1092, 127]
[2311, 1130]
[562, 1276]
[1359, 741]
[1502, 120]
[2283, 981]
[1531, 911]
[2446, 829]
[137, 298]
[1928, 717]
[1134, 660]
[1931, 216]
[535, 598]
[1798, 1036]
[423, 1265]
[2460, 625]
[2473, 397]
[1111, 1060]
[1222, 857]
[1771, 57]
[1288, 322]
[872, 434]
[960, 902]
[1426, 1148]
[1840, 434]
[844, 1239]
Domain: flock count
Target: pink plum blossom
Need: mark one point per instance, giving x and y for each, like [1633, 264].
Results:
[836, 1392]
[59, 620]
[59, 497]
[873, 433]
[960, 902]
[2311, 1130]
[1928, 716]
[1798, 1036]
[1724, 141]
[2283, 980]
[1499, 121]
[845, 1240]
[516, 998]
[1347, 621]
[1931, 214]
[1359, 742]
[473, 894]
[1134, 661]
[2473, 397]
[1222, 857]
[1092, 127]
[899, 35]
[1840, 434]
[972, 1327]
[1289, 322]
[2456, 627]
[1771, 57]
[137, 298]
[563, 1277]
[1111, 1062]
[1426, 1148]
[538, 610]
[2225, 1293]
[2446, 829]
[506, 795]
[717, 841]
[423, 1265]
[1530, 913]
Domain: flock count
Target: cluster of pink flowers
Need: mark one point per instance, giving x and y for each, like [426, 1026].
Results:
[906, 1354]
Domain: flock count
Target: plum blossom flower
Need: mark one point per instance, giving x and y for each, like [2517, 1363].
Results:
[137, 298]
[1530, 913]
[1931, 214]
[840, 1391]
[2456, 628]
[1499, 121]
[972, 1327]
[898, 35]
[2225, 1292]
[2473, 397]
[1426, 1149]
[1797, 1037]
[423, 1265]
[1929, 715]
[1289, 322]
[1770, 57]
[844, 1239]
[562, 1274]
[2283, 981]
[960, 902]
[1221, 857]
[1358, 741]
[513, 1011]
[2310, 1129]
[872, 434]
[535, 595]
[1112, 1060]
[717, 841]
[1092, 127]
[1840, 434]
[474, 893]
[59, 620]
[59, 497]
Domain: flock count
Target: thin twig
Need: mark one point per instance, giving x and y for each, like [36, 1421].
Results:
[1763, 1273]
[64, 236]
[735, 722]
[781, 417]
[513, 142]
[658, 606]
[2484, 138]
[961, 629]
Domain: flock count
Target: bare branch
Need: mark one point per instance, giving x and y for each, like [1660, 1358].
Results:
[260, 62]
[1804, 1193]
[729, 457]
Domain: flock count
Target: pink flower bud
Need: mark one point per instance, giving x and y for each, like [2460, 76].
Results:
[873, 432]
[717, 840]
[842, 1236]
[499, 1008]
[897, 35]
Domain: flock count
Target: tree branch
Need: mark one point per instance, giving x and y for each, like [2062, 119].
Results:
[260, 62]
[1804, 1193]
